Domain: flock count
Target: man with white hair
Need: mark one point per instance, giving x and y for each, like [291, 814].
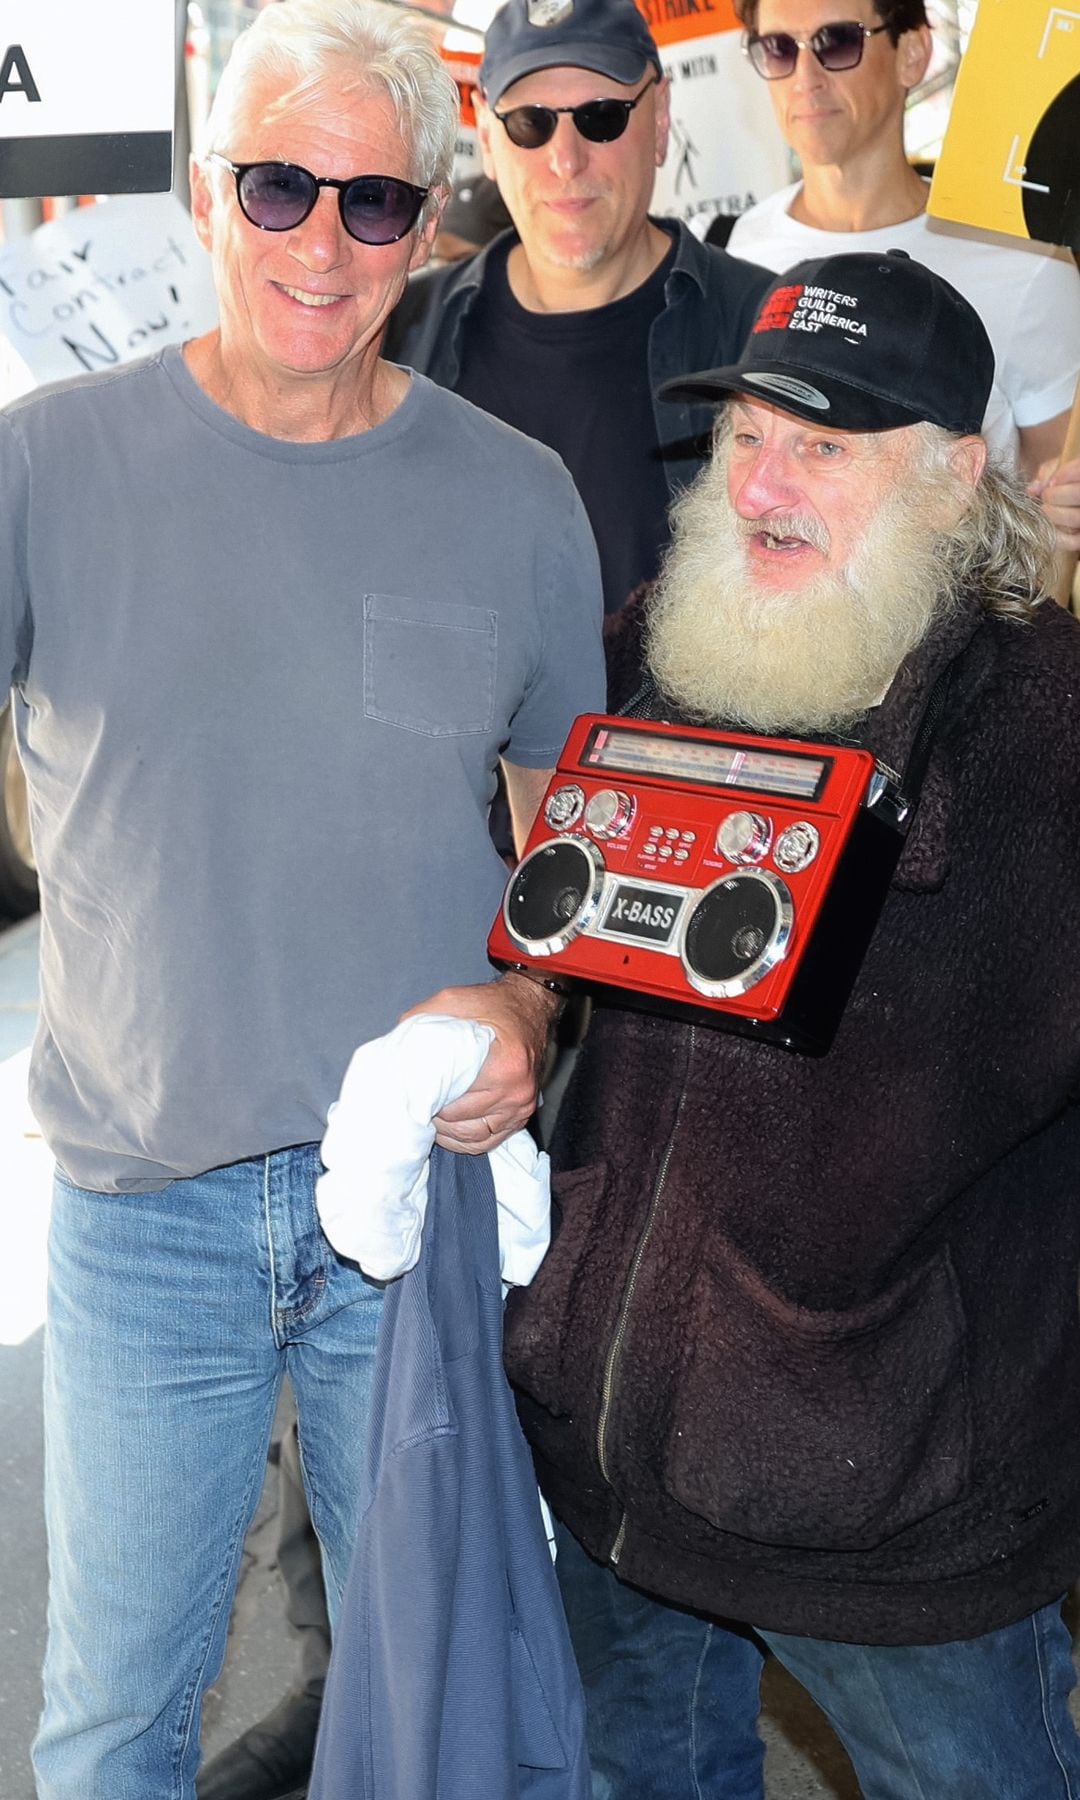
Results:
[804, 1355]
[264, 683]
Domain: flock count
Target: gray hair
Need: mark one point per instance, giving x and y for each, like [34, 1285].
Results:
[373, 46]
[1003, 545]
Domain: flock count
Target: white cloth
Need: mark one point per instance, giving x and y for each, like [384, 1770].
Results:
[1027, 295]
[373, 1197]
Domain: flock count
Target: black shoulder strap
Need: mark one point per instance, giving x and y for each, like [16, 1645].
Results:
[720, 229]
[929, 726]
[640, 703]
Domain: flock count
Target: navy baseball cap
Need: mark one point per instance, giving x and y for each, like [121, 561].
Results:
[610, 37]
[861, 342]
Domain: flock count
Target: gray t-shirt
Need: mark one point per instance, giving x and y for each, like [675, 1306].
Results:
[261, 693]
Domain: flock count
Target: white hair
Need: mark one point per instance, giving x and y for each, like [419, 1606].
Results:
[1003, 544]
[360, 42]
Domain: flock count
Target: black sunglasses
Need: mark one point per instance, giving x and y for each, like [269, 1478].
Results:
[600, 121]
[774, 54]
[278, 196]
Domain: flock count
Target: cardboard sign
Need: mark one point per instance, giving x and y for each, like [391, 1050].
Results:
[725, 152]
[104, 285]
[86, 97]
[1011, 158]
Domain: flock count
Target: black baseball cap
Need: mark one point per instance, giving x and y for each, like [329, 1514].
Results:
[862, 342]
[607, 36]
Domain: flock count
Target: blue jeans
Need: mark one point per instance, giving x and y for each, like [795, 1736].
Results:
[172, 1319]
[673, 1702]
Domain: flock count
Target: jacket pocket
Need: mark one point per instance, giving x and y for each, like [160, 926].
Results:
[822, 1430]
[429, 665]
[549, 1325]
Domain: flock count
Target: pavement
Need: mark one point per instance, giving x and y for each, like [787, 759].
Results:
[804, 1761]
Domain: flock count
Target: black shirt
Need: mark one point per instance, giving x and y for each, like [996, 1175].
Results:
[579, 382]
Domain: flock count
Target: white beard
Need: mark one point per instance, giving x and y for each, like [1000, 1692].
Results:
[724, 646]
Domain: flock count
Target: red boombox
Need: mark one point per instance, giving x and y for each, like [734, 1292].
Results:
[709, 875]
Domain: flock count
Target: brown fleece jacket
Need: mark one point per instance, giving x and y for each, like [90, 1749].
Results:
[805, 1349]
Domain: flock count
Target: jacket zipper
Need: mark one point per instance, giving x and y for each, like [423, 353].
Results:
[611, 1365]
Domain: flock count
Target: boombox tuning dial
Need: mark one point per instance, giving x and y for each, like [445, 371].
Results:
[609, 813]
[744, 837]
[564, 807]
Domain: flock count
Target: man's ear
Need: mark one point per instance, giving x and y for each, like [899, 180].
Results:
[663, 119]
[425, 237]
[967, 459]
[202, 201]
[485, 124]
[913, 53]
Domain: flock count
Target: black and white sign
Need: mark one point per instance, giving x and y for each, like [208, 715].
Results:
[103, 285]
[86, 96]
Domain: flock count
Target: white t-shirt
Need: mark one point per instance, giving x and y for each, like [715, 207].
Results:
[1027, 295]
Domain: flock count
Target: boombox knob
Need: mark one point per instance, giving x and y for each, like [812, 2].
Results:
[796, 847]
[564, 807]
[609, 813]
[744, 837]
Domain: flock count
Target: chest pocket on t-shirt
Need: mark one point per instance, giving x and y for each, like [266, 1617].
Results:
[429, 665]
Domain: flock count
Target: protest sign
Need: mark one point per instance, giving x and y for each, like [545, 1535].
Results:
[86, 97]
[725, 152]
[1011, 157]
[103, 285]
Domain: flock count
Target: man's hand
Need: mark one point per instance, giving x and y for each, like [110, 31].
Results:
[503, 1097]
[1058, 489]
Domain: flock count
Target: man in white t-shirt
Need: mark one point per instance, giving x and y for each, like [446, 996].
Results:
[839, 76]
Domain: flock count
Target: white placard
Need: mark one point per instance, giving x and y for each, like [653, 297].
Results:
[96, 68]
[104, 285]
[725, 151]
[86, 96]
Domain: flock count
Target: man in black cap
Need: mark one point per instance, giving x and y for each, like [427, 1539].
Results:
[804, 1356]
[564, 326]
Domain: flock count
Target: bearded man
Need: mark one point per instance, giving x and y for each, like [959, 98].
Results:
[804, 1356]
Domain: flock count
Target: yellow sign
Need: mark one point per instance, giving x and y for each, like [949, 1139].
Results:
[1011, 158]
